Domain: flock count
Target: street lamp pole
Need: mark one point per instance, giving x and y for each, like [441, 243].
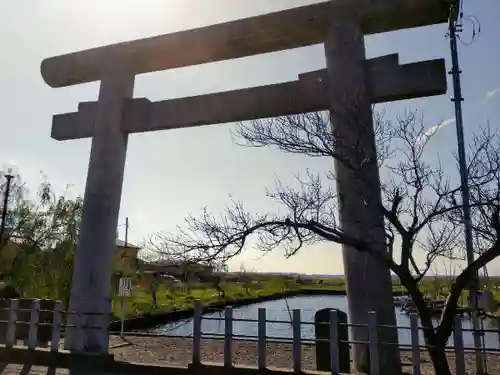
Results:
[9, 176]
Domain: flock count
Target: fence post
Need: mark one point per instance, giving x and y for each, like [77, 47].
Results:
[228, 338]
[373, 343]
[198, 311]
[297, 346]
[498, 330]
[56, 327]
[334, 342]
[262, 344]
[415, 344]
[33, 327]
[458, 341]
[10, 339]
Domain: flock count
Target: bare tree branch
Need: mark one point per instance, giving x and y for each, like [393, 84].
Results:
[420, 203]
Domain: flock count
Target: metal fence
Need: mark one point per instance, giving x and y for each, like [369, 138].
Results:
[28, 322]
[334, 326]
[42, 324]
[44, 332]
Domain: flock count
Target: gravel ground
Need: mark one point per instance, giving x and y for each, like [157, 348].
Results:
[11, 369]
[177, 351]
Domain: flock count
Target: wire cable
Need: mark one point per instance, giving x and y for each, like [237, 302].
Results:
[476, 29]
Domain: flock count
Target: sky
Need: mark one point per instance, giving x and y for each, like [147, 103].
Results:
[170, 174]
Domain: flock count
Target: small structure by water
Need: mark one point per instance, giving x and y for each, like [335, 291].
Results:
[435, 307]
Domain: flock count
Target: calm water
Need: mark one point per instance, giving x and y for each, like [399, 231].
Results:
[277, 310]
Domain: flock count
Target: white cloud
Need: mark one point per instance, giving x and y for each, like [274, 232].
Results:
[492, 93]
[433, 130]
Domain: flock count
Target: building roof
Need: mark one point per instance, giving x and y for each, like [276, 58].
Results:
[120, 243]
[174, 263]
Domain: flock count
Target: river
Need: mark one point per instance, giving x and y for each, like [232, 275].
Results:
[277, 310]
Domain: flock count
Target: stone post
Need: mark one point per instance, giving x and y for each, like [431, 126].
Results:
[322, 341]
[97, 242]
[358, 185]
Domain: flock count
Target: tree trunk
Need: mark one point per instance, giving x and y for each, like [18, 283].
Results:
[439, 360]
[153, 294]
[435, 346]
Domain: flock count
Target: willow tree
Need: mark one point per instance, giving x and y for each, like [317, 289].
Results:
[38, 248]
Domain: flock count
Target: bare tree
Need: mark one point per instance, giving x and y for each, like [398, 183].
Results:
[421, 206]
[245, 279]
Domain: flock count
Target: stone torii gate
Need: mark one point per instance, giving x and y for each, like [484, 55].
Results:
[340, 25]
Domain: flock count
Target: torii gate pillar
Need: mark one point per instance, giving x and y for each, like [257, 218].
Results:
[103, 190]
[368, 283]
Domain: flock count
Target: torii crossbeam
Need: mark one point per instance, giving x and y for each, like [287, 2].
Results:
[388, 80]
[277, 31]
[341, 26]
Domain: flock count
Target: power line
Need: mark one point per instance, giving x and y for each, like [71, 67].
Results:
[476, 29]
[457, 17]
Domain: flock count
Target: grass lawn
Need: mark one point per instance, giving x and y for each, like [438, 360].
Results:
[171, 298]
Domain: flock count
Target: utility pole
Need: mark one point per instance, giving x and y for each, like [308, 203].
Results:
[126, 232]
[124, 291]
[458, 99]
[454, 28]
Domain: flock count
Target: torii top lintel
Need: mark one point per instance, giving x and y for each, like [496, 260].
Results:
[287, 29]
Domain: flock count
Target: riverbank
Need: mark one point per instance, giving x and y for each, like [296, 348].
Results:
[156, 318]
[174, 302]
[177, 351]
[175, 296]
